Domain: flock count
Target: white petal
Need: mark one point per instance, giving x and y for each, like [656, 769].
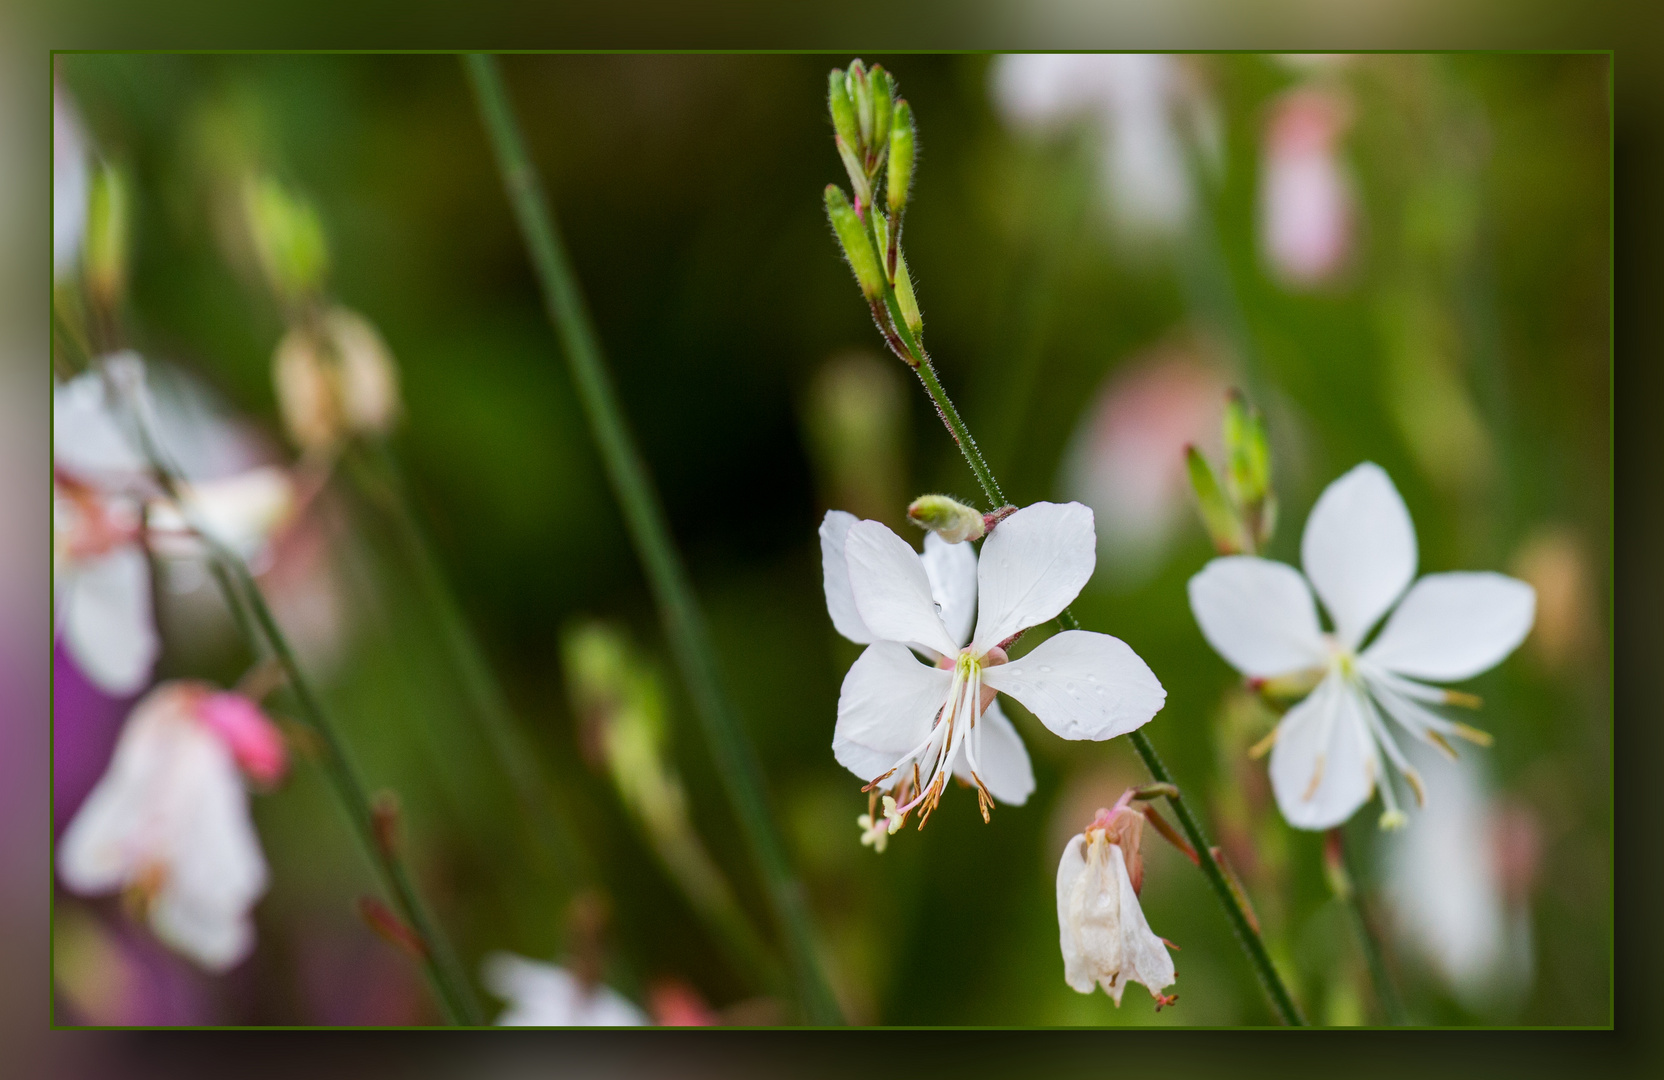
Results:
[1359, 550]
[1082, 685]
[886, 707]
[840, 601]
[87, 438]
[1033, 565]
[107, 622]
[544, 995]
[1144, 958]
[239, 511]
[216, 939]
[1324, 738]
[891, 589]
[951, 569]
[1077, 966]
[1001, 758]
[1453, 626]
[1258, 615]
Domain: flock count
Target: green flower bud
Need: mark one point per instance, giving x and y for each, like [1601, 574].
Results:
[860, 92]
[109, 228]
[883, 89]
[289, 238]
[904, 297]
[857, 245]
[952, 521]
[843, 109]
[1217, 513]
[1248, 467]
[901, 160]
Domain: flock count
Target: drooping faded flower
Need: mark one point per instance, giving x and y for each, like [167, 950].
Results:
[1105, 939]
[906, 727]
[169, 823]
[1359, 553]
[547, 995]
[108, 511]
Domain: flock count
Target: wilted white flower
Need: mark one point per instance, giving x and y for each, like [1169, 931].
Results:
[169, 821]
[1141, 104]
[1306, 215]
[908, 727]
[1449, 878]
[1359, 553]
[1104, 936]
[107, 510]
[545, 995]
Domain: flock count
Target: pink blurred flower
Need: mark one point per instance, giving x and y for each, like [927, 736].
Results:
[1306, 211]
[674, 1003]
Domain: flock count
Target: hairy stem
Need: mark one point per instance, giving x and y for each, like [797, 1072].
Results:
[650, 533]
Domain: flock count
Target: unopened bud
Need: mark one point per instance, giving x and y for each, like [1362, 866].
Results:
[905, 299]
[390, 928]
[857, 245]
[288, 237]
[335, 380]
[842, 109]
[1248, 466]
[882, 88]
[952, 521]
[860, 94]
[109, 228]
[1217, 514]
[901, 160]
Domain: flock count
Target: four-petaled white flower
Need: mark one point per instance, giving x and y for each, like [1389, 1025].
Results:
[106, 509]
[908, 727]
[1359, 553]
[1104, 936]
[169, 820]
[546, 995]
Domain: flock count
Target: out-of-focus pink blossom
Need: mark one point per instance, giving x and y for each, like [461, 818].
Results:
[1306, 208]
[674, 1003]
[254, 740]
[1127, 460]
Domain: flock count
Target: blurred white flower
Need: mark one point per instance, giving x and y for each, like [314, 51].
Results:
[107, 509]
[70, 183]
[1103, 934]
[897, 716]
[169, 821]
[545, 995]
[1126, 460]
[1306, 208]
[1359, 553]
[1144, 105]
[1449, 880]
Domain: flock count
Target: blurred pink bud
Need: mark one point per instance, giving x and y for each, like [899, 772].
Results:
[255, 741]
[674, 1003]
[1305, 196]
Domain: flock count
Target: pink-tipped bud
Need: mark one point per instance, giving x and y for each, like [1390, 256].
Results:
[255, 741]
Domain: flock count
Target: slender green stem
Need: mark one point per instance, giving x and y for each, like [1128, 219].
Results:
[243, 594]
[1386, 994]
[378, 475]
[650, 533]
[1282, 1002]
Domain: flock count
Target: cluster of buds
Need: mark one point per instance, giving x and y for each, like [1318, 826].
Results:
[876, 139]
[1240, 514]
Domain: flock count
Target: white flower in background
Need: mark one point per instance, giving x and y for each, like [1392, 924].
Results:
[908, 727]
[1127, 458]
[1104, 936]
[1140, 102]
[169, 821]
[70, 183]
[105, 508]
[1459, 890]
[545, 995]
[1306, 210]
[1359, 553]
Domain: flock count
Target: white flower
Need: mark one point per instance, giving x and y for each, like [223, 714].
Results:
[169, 822]
[1359, 552]
[70, 183]
[106, 507]
[1447, 878]
[1137, 100]
[1305, 194]
[544, 995]
[908, 727]
[1105, 939]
